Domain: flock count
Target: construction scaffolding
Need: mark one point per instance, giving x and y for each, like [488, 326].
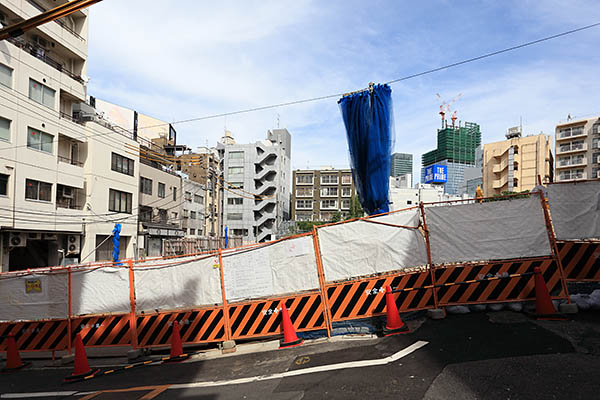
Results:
[455, 144]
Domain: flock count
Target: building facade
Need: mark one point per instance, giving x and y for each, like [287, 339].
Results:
[578, 150]
[456, 148]
[513, 165]
[318, 193]
[402, 164]
[194, 208]
[255, 184]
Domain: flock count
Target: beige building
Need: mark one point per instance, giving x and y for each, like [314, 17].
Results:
[317, 194]
[578, 150]
[513, 165]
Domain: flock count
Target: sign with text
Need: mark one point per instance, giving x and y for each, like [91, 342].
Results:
[436, 174]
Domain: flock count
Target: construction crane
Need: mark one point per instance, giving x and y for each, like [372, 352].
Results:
[445, 108]
[63, 10]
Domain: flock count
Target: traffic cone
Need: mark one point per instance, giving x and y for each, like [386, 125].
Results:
[176, 346]
[394, 324]
[82, 368]
[290, 339]
[544, 309]
[13, 359]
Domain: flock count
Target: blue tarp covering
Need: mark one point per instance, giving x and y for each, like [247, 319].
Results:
[368, 117]
[116, 239]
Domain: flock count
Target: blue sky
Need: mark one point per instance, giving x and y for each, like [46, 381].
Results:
[187, 59]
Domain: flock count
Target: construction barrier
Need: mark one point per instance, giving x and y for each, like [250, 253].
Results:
[430, 255]
[581, 260]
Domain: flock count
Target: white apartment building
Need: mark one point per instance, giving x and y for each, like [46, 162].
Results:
[404, 197]
[256, 185]
[61, 187]
[578, 150]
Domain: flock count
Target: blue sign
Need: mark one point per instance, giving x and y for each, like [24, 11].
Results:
[436, 174]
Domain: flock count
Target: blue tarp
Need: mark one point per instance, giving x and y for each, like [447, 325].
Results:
[116, 239]
[368, 117]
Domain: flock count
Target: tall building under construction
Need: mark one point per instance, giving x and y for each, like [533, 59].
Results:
[456, 146]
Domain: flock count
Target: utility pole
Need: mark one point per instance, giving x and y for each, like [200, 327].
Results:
[212, 208]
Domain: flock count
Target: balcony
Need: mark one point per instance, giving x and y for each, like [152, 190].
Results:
[572, 163]
[42, 9]
[572, 148]
[570, 133]
[40, 53]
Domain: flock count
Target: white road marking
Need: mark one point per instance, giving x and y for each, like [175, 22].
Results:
[332, 367]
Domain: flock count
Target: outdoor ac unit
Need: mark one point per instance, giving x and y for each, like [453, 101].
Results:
[34, 236]
[49, 236]
[67, 192]
[73, 244]
[17, 239]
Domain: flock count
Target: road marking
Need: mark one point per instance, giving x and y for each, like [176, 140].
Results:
[159, 389]
[332, 367]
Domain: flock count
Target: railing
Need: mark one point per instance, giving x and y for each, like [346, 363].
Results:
[69, 117]
[68, 160]
[40, 53]
[58, 21]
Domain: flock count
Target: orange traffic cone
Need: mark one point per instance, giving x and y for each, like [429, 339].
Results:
[82, 366]
[176, 346]
[544, 309]
[290, 339]
[13, 359]
[394, 324]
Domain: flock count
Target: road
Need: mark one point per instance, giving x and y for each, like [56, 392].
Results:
[500, 355]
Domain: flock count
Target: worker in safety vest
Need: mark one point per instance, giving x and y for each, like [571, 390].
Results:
[479, 194]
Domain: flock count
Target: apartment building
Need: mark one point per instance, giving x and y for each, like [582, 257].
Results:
[193, 222]
[513, 165]
[255, 184]
[318, 193]
[578, 149]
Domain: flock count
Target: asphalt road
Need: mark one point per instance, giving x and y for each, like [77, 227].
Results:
[499, 355]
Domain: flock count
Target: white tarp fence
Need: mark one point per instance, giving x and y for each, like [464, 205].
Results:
[178, 284]
[363, 248]
[488, 231]
[100, 290]
[283, 267]
[34, 296]
[575, 210]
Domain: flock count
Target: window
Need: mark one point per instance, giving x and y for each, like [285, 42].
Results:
[408, 202]
[119, 201]
[174, 193]
[5, 129]
[173, 216]
[346, 179]
[193, 214]
[186, 213]
[236, 155]
[236, 170]
[3, 184]
[234, 216]
[304, 179]
[39, 140]
[121, 164]
[329, 191]
[304, 204]
[41, 93]
[188, 196]
[346, 204]
[192, 231]
[236, 185]
[5, 76]
[235, 201]
[329, 179]
[346, 192]
[145, 185]
[327, 204]
[304, 192]
[240, 232]
[161, 190]
[36, 190]
[198, 199]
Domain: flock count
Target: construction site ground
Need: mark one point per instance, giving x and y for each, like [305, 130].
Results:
[488, 355]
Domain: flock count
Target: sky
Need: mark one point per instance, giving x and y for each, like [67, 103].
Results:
[188, 59]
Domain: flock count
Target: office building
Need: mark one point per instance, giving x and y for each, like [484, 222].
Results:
[255, 184]
[318, 193]
[514, 164]
[402, 164]
[578, 150]
[456, 147]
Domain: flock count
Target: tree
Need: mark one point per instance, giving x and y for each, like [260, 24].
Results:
[337, 217]
[356, 210]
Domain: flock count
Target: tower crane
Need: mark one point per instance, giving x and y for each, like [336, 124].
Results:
[445, 108]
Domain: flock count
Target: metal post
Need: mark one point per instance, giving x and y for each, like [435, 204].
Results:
[132, 320]
[224, 296]
[69, 323]
[320, 273]
[427, 244]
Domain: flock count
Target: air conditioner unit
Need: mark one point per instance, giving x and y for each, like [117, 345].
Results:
[49, 236]
[73, 244]
[17, 239]
[67, 192]
[34, 236]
